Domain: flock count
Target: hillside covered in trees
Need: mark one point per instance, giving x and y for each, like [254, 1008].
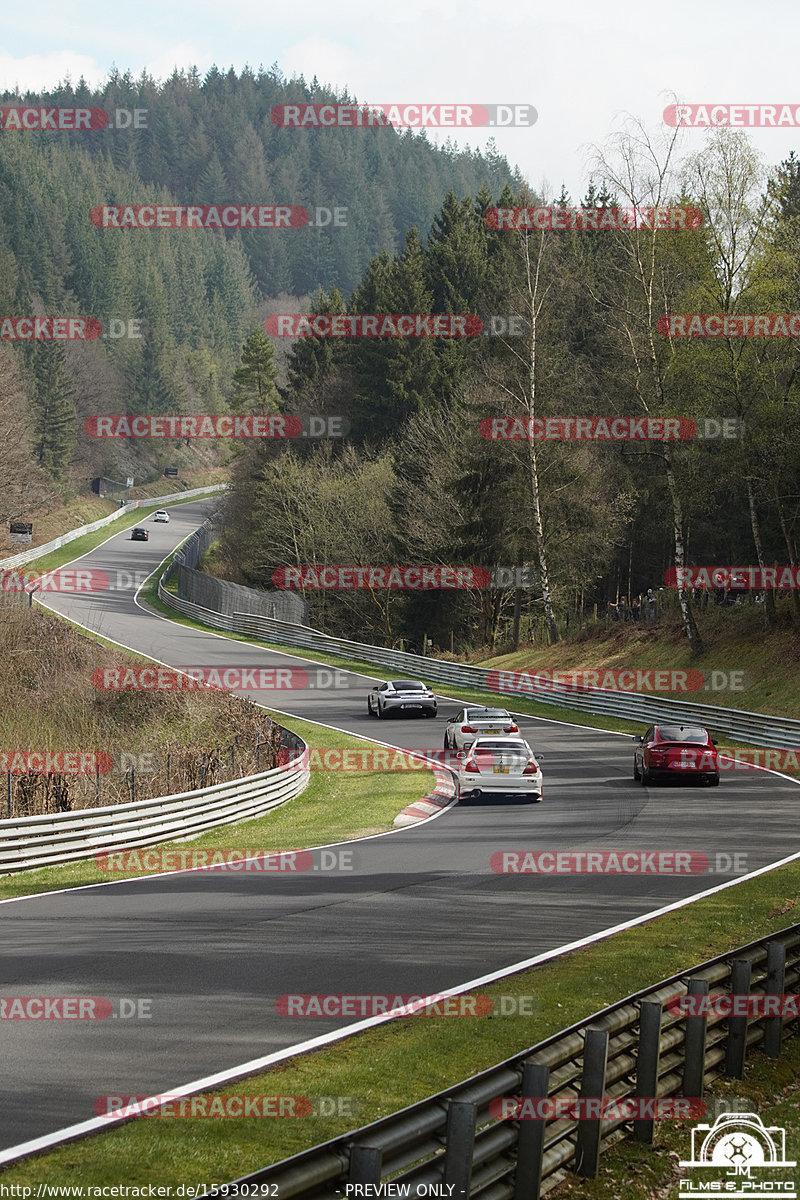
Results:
[420, 482]
[193, 296]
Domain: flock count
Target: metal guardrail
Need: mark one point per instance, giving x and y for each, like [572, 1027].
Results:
[27, 556]
[757, 729]
[44, 841]
[635, 1048]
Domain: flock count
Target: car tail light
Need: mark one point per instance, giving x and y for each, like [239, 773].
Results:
[531, 767]
[471, 764]
[468, 729]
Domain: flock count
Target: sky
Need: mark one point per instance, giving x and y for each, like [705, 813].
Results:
[584, 66]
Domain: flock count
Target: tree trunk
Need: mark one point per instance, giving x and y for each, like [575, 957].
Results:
[684, 597]
[541, 547]
[791, 551]
[515, 626]
[769, 594]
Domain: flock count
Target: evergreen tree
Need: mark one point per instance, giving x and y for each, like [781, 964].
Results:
[255, 381]
[53, 408]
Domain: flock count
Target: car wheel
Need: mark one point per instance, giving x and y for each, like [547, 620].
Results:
[430, 712]
[636, 774]
[446, 742]
[714, 781]
[370, 712]
[379, 711]
[645, 776]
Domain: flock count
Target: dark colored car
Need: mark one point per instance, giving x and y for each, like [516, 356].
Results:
[139, 534]
[676, 752]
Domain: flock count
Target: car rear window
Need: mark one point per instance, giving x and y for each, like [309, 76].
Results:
[407, 685]
[685, 733]
[490, 745]
[487, 714]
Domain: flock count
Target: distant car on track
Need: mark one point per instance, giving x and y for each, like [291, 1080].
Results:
[401, 695]
[496, 766]
[140, 534]
[476, 721]
[161, 515]
[676, 752]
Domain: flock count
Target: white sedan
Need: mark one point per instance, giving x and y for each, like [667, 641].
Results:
[473, 722]
[499, 766]
[161, 515]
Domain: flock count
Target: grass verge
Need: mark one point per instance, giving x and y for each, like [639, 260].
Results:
[386, 1068]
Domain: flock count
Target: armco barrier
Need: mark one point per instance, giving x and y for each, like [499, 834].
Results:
[27, 842]
[756, 729]
[27, 556]
[636, 1048]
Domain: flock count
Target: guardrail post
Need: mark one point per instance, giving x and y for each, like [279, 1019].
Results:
[97, 784]
[776, 975]
[647, 1060]
[365, 1164]
[530, 1143]
[694, 1047]
[8, 792]
[169, 764]
[460, 1138]
[736, 1047]
[593, 1082]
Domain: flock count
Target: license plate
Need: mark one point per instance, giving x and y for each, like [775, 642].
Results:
[500, 770]
[490, 732]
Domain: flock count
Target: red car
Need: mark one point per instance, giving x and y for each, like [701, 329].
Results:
[676, 751]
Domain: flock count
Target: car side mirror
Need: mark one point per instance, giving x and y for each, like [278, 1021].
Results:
[638, 738]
